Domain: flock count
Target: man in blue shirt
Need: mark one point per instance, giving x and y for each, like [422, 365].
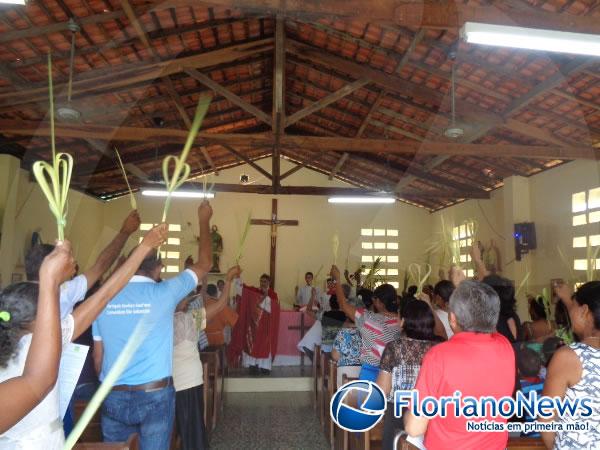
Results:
[143, 398]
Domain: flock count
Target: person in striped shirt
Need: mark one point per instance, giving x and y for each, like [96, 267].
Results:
[376, 329]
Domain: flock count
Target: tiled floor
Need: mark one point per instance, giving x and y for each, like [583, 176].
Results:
[269, 421]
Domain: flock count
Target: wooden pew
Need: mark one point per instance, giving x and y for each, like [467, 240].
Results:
[315, 374]
[369, 440]
[341, 436]
[400, 442]
[93, 432]
[331, 389]
[208, 398]
[322, 380]
[215, 385]
[525, 443]
[222, 374]
[133, 443]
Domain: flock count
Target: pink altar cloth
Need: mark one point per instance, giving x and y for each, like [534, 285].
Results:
[288, 339]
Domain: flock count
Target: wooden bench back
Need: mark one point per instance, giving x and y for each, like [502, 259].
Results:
[524, 443]
[93, 432]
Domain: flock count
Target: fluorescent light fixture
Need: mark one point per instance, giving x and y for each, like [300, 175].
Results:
[362, 200]
[12, 2]
[180, 194]
[531, 38]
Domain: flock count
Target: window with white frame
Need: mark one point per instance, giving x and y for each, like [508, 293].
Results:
[463, 235]
[170, 251]
[381, 243]
[585, 207]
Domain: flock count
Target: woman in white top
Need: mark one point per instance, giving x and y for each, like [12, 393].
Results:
[187, 367]
[20, 394]
[574, 370]
[42, 427]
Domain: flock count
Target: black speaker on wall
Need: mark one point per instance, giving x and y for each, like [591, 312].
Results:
[525, 239]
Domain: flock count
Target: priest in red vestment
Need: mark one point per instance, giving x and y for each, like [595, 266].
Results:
[254, 337]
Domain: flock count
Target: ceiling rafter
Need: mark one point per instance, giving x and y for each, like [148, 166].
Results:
[279, 107]
[233, 98]
[142, 73]
[109, 133]
[444, 14]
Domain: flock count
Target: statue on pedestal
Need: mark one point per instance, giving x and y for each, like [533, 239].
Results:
[217, 249]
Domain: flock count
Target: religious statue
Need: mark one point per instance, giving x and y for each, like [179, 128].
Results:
[491, 257]
[217, 248]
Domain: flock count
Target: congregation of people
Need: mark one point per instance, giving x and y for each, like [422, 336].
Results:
[465, 335]
[458, 335]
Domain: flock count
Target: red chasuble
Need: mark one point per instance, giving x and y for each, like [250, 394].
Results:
[256, 330]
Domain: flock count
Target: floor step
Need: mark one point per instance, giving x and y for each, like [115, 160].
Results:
[268, 384]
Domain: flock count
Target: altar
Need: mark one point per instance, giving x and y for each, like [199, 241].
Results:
[290, 333]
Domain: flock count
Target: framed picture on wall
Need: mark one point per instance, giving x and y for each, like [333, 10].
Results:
[16, 277]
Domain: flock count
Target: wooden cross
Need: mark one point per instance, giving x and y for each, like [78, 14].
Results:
[302, 328]
[274, 222]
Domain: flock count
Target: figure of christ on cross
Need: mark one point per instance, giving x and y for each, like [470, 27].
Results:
[274, 222]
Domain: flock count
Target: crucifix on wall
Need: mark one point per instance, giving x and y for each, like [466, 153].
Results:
[274, 223]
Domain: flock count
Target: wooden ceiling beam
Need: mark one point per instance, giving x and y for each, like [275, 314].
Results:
[168, 83]
[420, 172]
[115, 42]
[445, 14]
[416, 172]
[338, 165]
[138, 155]
[32, 32]
[233, 98]
[392, 83]
[456, 191]
[514, 125]
[132, 134]
[142, 73]
[374, 108]
[279, 110]
[397, 130]
[557, 79]
[301, 165]
[247, 160]
[405, 60]
[169, 135]
[576, 99]
[114, 114]
[327, 100]
[437, 148]
[42, 105]
[538, 133]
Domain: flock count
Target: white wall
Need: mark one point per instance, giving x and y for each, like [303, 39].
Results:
[544, 199]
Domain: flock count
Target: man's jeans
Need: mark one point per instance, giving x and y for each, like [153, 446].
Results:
[150, 414]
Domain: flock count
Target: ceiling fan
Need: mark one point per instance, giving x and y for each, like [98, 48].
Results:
[66, 112]
[454, 131]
